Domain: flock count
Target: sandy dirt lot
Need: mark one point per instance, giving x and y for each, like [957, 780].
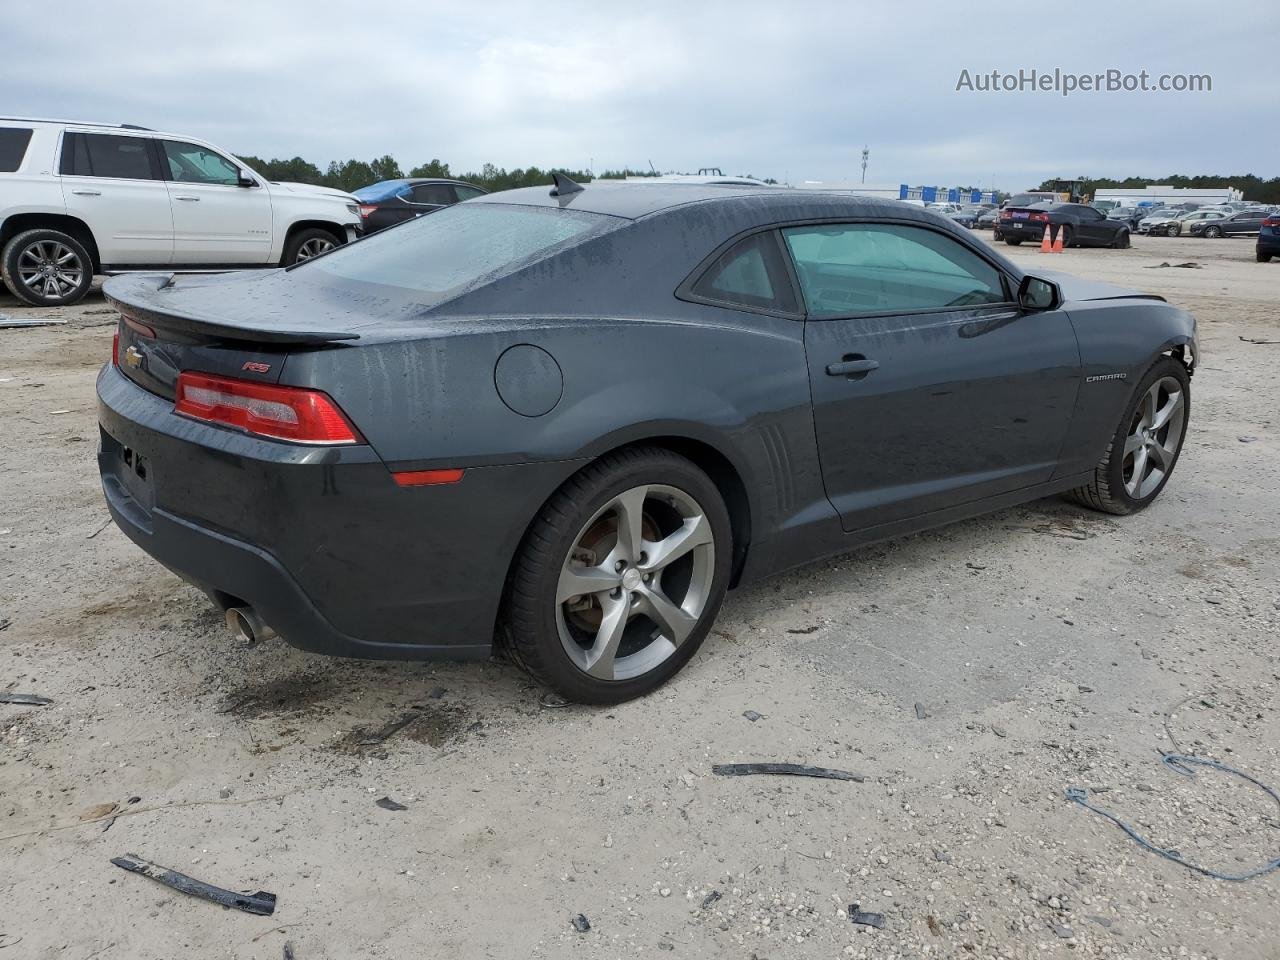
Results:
[1045, 647]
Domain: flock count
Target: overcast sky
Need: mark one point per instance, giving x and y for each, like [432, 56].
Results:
[789, 90]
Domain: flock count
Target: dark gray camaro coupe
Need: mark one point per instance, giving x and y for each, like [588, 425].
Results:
[572, 418]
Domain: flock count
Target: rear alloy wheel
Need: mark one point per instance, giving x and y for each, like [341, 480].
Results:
[1145, 447]
[47, 268]
[1174, 229]
[1213, 233]
[306, 244]
[1122, 241]
[620, 577]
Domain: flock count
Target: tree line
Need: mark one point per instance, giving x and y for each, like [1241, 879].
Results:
[1254, 188]
[350, 175]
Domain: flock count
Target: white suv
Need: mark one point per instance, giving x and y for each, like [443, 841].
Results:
[83, 198]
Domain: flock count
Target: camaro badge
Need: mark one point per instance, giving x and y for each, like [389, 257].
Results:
[1107, 376]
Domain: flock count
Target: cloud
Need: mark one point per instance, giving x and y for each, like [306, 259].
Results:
[775, 89]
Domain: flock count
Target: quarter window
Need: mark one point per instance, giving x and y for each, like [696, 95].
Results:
[749, 274]
[107, 155]
[13, 147]
[869, 268]
[192, 163]
[466, 193]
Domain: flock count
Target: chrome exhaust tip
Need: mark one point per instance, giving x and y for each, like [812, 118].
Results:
[245, 623]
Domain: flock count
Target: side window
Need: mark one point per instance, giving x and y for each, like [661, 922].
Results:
[192, 163]
[749, 274]
[107, 155]
[440, 194]
[13, 147]
[466, 193]
[868, 268]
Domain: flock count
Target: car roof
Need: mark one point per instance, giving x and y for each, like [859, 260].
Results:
[73, 123]
[632, 200]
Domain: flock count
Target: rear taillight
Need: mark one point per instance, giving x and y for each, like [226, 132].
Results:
[1006, 215]
[366, 209]
[282, 413]
[1271, 222]
[1039, 217]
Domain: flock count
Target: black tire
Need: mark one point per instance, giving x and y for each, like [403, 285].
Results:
[531, 619]
[1107, 491]
[1013, 241]
[305, 244]
[1212, 233]
[1263, 257]
[1122, 240]
[1173, 230]
[46, 268]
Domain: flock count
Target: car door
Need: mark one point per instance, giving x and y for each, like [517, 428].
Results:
[930, 386]
[112, 182]
[1245, 222]
[1092, 226]
[216, 221]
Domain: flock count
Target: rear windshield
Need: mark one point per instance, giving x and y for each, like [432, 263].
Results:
[458, 247]
[13, 147]
[380, 191]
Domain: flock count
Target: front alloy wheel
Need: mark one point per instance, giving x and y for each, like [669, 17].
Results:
[620, 576]
[1145, 447]
[1154, 438]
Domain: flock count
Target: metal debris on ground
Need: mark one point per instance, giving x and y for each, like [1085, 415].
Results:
[783, 769]
[866, 919]
[1260, 342]
[752, 715]
[581, 923]
[1180, 763]
[812, 629]
[1247, 439]
[711, 898]
[388, 730]
[288, 951]
[1188, 265]
[7, 322]
[921, 712]
[553, 700]
[386, 803]
[261, 903]
[24, 699]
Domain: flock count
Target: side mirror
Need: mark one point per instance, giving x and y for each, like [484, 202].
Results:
[1037, 294]
[245, 180]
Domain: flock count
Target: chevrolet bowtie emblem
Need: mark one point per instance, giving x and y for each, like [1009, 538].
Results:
[133, 357]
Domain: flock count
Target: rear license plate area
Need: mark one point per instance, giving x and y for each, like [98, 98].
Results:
[129, 471]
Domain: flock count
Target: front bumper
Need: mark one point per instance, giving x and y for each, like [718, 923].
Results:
[321, 541]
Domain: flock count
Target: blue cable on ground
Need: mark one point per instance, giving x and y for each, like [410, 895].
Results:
[1178, 763]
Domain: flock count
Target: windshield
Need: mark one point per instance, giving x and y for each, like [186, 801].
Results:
[456, 248]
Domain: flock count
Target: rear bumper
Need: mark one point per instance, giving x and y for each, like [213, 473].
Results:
[1269, 242]
[331, 552]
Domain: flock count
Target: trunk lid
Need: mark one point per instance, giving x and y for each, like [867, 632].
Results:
[159, 337]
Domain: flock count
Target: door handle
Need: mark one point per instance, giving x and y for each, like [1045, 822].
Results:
[191, 199]
[852, 365]
[87, 193]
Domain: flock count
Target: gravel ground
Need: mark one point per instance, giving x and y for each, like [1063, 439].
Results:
[970, 675]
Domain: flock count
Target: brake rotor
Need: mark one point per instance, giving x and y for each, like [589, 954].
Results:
[601, 537]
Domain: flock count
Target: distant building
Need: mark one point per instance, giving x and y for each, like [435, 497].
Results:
[901, 191]
[1163, 193]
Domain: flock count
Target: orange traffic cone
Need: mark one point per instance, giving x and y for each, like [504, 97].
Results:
[1046, 245]
[1058, 245]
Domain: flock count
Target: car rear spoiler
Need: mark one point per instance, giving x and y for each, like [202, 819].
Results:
[134, 297]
